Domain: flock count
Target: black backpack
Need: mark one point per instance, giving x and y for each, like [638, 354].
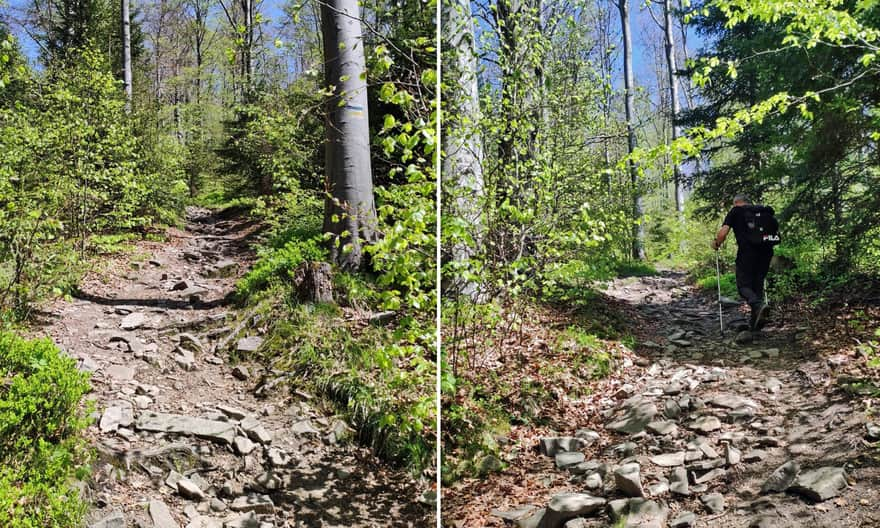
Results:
[762, 229]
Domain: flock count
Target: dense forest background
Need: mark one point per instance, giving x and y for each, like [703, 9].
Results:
[116, 116]
[590, 140]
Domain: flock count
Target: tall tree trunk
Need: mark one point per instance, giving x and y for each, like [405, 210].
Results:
[463, 164]
[673, 100]
[638, 231]
[126, 54]
[349, 210]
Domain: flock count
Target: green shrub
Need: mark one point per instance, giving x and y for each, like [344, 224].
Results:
[41, 450]
[728, 284]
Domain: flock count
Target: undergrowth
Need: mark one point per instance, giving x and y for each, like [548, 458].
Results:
[41, 449]
[378, 376]
[509, 366]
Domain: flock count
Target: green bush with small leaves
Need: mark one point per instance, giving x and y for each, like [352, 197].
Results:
[41, 449]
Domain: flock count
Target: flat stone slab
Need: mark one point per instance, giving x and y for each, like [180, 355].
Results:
[187, 425]
[569, 459]
[668, 459]
[714, 502]
[782, 478]
[253, 503]
[249, 344]
[706, 424]
[731, 401]
[133, 321]
[662, 427]
[161, 516]
[820, 484]
[566, 506]
[636, 416]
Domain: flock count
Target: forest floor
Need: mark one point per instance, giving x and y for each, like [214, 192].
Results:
[689, 429]
[191, 432]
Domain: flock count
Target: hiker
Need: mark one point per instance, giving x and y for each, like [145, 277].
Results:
[756, 232]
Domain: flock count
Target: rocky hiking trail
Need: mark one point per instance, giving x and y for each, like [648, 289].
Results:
[706, 431]
[186, 438]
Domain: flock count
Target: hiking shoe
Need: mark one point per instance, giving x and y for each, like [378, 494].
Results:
[759, 316]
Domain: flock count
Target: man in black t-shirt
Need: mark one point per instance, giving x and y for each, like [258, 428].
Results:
[752, 261]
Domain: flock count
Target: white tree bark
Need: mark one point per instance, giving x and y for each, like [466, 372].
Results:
[674, 104]
[349, 211]
[463, 164]
[126, 53]
[638, 234]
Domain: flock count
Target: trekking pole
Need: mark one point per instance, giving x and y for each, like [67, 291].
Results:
[718, 281]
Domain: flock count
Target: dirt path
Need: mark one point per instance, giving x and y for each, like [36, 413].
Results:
[696, 432]
[186, 438]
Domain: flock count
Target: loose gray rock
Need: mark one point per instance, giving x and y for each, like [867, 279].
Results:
[523, 517]
[550, 446]
[714, 502]
[243, 445]
[569, 459]
[587, 435]
[782, 478]
[668, 459]
[133, 321]
[662, 427]
[188, 489]
[160, 515]
[678, 482]
[710, 476]
[114, 519]
[278, 458]
[706, 424]
[119, 415]
[185, 359]
[732, 455]
[684, 519]
[628, 480]
[637, 414]
[872, 431]
[255, 431]
[233, 412]
[731, 401]
[223, 432]
[820, 484]
[593, 481]
[566, 506]
[253, 503]
[249, 344]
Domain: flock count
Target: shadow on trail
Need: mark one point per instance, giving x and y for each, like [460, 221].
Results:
[170, 304]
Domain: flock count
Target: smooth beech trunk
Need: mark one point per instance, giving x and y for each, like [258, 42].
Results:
[126, 53]
[673, 97]
[349, 210]
[463, 164]
[638, 232]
